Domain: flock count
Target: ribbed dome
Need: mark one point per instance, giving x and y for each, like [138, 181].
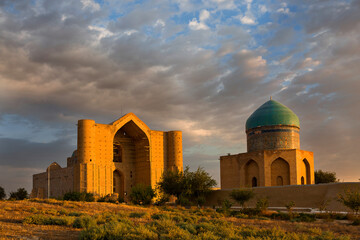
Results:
[272, 113]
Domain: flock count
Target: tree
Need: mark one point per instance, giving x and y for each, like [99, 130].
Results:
[141, 194]
[242, 195]
[351, 199]
[200, 183]
[2, 193]
[325, 177]
[20, 194]
[187, 186]
[171, 183]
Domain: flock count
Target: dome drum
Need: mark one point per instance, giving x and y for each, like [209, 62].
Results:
[273, 138]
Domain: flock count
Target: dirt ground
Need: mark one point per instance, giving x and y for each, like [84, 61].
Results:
[13, 212]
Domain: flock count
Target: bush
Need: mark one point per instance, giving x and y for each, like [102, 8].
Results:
[325, 177]
[305, 217]
[84, 222]
[187, 186]
[20, 194]
[2, 193]
[39, 219]
[137, 214]
[356, 222]
[351, 199]
[141, 194]
[157, 216]
[108, 198]
[77, 196]
[242, 195]
[262, 204]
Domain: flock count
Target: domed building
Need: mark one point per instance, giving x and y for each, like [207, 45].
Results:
[273, 156]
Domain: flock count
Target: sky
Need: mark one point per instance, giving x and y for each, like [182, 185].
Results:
[198, 66]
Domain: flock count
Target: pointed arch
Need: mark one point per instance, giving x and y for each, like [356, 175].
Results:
[306, 171]
[128, 118]
[280, 169]
[131, 149]
[251, 172]
[118, 182]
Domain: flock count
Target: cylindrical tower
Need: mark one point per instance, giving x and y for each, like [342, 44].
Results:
[175, 154]
[86, 140]
[272, 126]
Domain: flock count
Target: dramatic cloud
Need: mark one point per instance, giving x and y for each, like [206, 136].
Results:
[201, 67]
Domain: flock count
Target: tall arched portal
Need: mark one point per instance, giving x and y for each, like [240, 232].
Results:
[251, 174]
[306, 171]
[280, 172]
[131, 155]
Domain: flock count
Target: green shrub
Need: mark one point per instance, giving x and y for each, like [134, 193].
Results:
[262, 204]
[325, 177]
[157, 216]
[137, 214]
[305, 217]
[84, 222]
[351, 199]
[20, 194]
[250, 211]
[77, 196]
[74, 214]
[280, 216]
[356, 222]
[188, 227]
[2, 193]
[187, 186]
[108, 198]
[242, 195]
[141, 194]
[183, 201]
[40, 219]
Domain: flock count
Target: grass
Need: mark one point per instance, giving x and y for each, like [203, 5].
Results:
[52, 219]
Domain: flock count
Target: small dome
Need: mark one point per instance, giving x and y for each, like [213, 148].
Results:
[272, 113]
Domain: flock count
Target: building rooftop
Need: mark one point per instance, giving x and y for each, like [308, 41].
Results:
[272, 113]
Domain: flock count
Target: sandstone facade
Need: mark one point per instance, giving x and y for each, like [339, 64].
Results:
[112, 158]
[274, 157]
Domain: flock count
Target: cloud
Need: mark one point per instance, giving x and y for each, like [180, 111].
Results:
[61, 61]
[194, 24]
[247, 20]
[90, 4]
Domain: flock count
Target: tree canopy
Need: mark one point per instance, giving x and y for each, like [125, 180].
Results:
[325, 177]
[187, 186]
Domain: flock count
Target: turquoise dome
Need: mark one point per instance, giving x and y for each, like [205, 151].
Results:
[272, 113]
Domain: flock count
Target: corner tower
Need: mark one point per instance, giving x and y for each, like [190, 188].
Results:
[273, 156]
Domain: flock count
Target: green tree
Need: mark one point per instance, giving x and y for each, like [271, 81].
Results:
[187, 186]
[141, 194]
[2, 193]
[200, 183]
[242, 196]
[325, 177]
[20, 194]
[351, 199]
[171, 183]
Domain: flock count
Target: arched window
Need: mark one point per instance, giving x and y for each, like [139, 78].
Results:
[280, 172]
[118, 183]
[117, 153]
[251, 172]
[302, 181]
[254, 182]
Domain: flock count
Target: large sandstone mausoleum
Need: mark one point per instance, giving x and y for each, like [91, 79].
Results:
[273, 156]
[112, 158]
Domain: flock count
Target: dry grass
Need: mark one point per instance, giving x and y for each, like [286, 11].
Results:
[12, 213]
